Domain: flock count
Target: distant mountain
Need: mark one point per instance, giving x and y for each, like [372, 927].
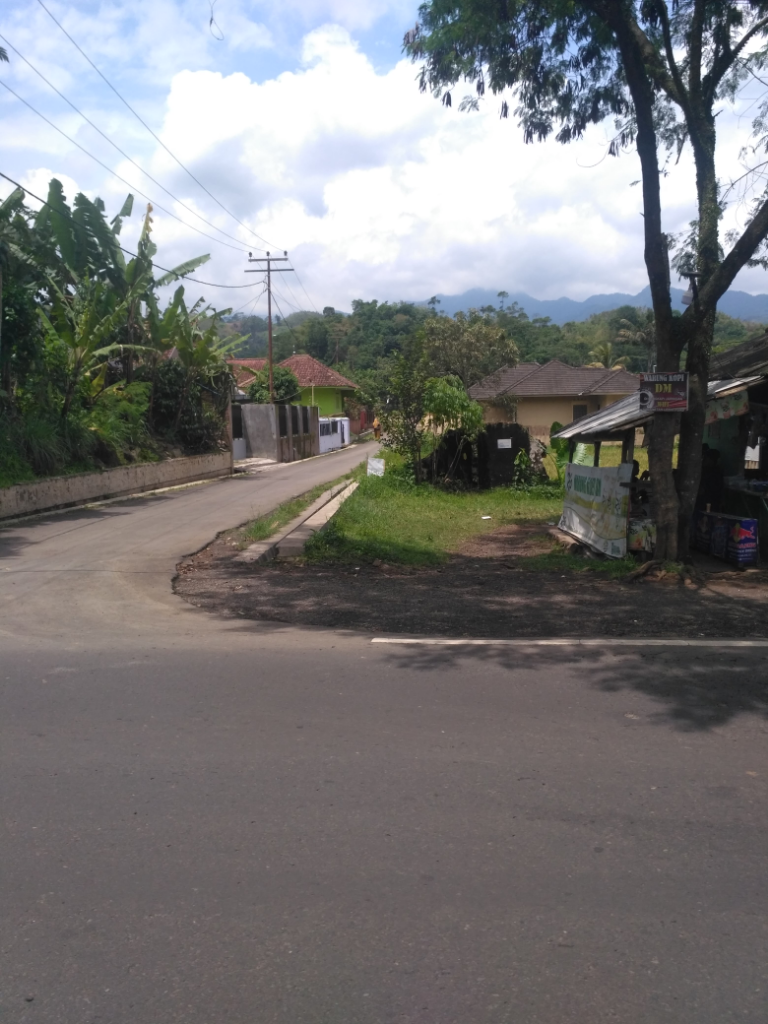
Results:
[738, 304]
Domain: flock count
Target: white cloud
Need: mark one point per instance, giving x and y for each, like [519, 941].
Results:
[376, 190]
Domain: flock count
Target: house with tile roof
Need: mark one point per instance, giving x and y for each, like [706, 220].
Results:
[537, 395]
[320, 384]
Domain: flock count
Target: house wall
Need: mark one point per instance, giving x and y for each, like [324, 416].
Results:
[330, 401]
[538, 414]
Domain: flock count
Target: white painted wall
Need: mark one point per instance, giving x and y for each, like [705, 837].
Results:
[334, 433]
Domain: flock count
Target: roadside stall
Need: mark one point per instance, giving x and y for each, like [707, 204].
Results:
[609, 508]
[733, 516]
[601, 503]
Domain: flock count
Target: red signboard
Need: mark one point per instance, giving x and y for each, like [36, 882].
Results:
[664, 392]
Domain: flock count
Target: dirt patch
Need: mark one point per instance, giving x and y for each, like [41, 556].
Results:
[519, 540]
[483, 591]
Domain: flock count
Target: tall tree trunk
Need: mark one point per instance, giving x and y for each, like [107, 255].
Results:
[665, 504]
[700, 331]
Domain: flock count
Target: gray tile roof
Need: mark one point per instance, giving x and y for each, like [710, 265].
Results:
[531, 380]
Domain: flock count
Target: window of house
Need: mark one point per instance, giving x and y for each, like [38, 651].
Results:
[579, 412]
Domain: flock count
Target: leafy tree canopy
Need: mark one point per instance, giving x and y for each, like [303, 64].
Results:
[286, 385]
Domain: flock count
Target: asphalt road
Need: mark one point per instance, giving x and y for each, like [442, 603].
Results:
[215, 821]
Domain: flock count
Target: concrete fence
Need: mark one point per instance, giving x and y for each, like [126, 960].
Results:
[63, 491]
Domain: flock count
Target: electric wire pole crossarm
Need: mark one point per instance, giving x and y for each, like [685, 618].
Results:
[269, 260]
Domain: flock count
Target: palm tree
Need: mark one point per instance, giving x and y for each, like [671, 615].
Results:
[603, 356]
[642, 333]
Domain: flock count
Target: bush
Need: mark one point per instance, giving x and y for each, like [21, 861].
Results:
[200, 425]
[43, 445]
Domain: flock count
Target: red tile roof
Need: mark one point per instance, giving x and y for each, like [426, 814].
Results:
[240, 368]
[310, 372]
[529, 380]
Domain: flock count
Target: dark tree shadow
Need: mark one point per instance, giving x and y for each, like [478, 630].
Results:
[695, 688]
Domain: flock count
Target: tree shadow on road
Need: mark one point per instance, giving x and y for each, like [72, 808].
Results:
[694, 688]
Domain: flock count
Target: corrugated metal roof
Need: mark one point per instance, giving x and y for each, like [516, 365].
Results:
[530, 380]
[617, 417]
[748, 358]
[721, 388]
[628, 412]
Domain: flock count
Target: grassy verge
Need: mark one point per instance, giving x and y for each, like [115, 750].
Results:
[265, 526]
[391, 519]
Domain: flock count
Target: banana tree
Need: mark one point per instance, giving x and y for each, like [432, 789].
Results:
[90, 245]
[198, 347]
[84, 324]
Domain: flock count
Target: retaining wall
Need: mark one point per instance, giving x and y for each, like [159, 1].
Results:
[63, 491]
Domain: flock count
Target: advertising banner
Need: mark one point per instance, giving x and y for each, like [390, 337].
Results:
[595, 506]
[726, 408]
[664, 392]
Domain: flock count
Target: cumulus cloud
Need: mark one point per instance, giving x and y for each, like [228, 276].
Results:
[375, 189]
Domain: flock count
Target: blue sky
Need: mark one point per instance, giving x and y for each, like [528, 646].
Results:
[305, 122]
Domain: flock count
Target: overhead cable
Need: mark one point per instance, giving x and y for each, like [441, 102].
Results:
[237, 248]
[122, 152]
[133, 255]
[155, 136]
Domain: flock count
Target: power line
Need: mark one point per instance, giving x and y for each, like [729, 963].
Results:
[305, 291]
[153, 134]
[119, 177]
[119, 150]
[165, 270]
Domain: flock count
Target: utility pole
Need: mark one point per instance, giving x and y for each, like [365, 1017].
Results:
[269, 260]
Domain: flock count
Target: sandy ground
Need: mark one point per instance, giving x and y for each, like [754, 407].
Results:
[486, 590]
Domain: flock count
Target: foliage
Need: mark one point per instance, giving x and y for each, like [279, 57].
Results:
[469, 346]
[84, 379]
[388, 518]
[285, 383]
[559, 450]
[660, 69]
[603, 356]
[449, 407]
[402, 419]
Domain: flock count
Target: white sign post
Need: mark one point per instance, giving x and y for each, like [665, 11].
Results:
[596, 506]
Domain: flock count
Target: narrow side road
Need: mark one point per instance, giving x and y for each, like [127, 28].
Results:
[75, 572]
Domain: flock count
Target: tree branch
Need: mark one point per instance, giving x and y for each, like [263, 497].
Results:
[722, 279]
[696, 45]
[663, 13]
[615, 16]
[729, 56]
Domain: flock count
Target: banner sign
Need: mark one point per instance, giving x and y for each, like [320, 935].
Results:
[664, 392]
[596, 505]
[725, 408]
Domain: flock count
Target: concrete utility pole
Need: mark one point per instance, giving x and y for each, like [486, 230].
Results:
[269, 260]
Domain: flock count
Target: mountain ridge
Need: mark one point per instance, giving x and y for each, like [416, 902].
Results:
[737, 304]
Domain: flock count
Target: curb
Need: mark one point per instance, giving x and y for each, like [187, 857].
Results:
[313, 518]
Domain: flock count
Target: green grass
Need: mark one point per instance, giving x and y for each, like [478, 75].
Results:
[266, 525]
[560, 561]
[391, 519]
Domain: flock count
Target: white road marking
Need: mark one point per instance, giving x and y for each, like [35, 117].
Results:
[566, 642]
